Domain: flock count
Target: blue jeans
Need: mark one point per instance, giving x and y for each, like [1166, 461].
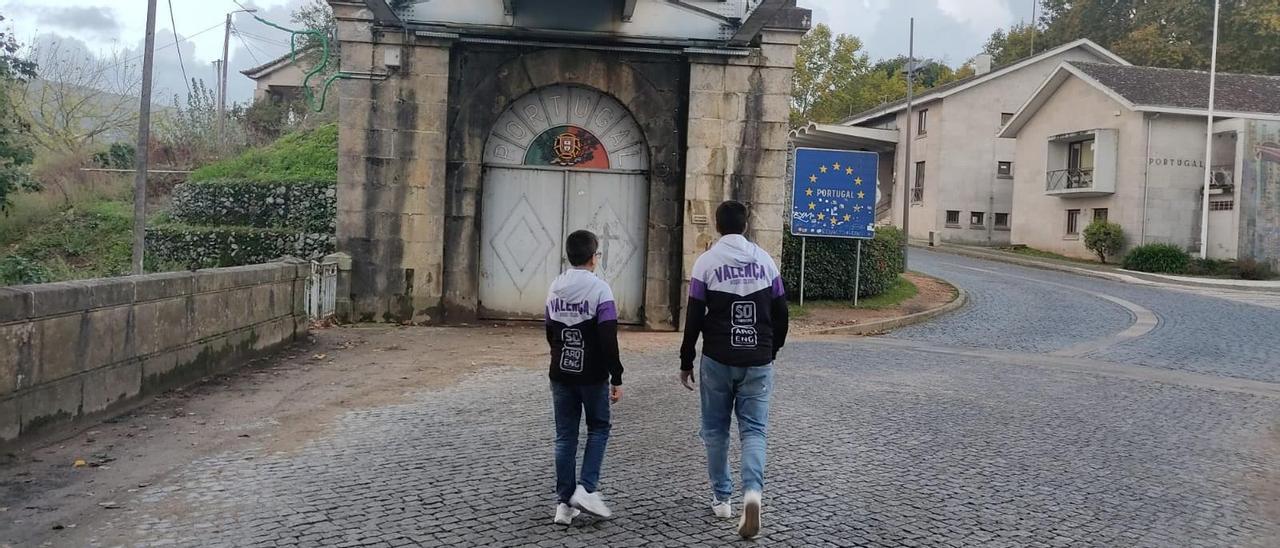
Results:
[743, 391]
[569, 401]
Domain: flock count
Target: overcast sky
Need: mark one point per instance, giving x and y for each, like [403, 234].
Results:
[951, 30]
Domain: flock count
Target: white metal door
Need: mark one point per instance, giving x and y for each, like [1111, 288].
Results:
[521, 227]
[615, 206]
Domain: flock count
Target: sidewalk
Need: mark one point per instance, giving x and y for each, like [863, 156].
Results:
[1110, 272]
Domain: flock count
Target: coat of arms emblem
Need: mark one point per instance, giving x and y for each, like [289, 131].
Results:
[568, 149]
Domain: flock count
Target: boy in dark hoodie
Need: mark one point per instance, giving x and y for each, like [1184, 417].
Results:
[582, 329]
[738, 306]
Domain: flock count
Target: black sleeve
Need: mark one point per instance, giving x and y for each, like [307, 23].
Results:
[551, 336]
[779, 314]
[608, 333]
[696, 311]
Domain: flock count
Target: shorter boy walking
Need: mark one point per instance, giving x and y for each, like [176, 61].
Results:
[582, 329]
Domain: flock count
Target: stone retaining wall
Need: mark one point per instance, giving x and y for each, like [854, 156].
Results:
[76, 348]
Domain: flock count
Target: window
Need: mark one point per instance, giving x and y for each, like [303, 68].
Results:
[1099, 214]
[917, 189]
[977, 219]
[1004, 170]
[953, 218]
[1080, 156]
[922, 127]
[1222, 205]
[1002, 220]
[1005, 117]
[1073, 222]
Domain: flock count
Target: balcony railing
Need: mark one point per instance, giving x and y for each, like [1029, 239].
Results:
[1070, 179]
[1224, 176]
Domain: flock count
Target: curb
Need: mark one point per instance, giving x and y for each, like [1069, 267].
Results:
[880, 326]
[1123, 276]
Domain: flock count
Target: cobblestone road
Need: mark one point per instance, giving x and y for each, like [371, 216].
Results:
[911, 441]
[1017, 308]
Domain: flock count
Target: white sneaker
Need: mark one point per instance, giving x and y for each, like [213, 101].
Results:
[722, 509]
[749, 525]
[590, 503]
[565, 514]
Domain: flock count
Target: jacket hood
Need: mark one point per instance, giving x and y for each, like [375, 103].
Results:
[574, 285]
[736, 247]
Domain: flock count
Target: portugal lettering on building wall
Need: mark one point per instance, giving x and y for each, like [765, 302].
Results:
[1176, 162]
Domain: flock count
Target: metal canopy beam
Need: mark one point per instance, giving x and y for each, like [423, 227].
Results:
[382, 12]
[509, 7]
[757, 20]
[628, 9]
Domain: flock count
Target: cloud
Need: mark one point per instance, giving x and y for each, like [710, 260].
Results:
[94, 19]
[978, 14]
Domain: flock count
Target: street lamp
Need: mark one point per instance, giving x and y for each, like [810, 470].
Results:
[1208, 144]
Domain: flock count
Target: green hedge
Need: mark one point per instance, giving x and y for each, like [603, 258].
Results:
[215, 246]
[308, 206]
[297, 157]
[830, 262]
[1160, 258]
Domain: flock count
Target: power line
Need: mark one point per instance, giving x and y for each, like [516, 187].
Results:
[135, 58]
[182, 64]
[246, 45]
[261, 38]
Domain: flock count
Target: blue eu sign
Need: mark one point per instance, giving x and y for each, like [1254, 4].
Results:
[834, 193]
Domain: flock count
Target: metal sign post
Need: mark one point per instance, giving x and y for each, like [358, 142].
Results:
[803, 241]
[833, 195]
[857, 275]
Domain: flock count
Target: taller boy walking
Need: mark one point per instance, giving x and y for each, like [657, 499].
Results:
[582, 329]
[738, 305]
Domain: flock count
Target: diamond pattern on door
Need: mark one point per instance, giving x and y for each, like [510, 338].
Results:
[522, 243]
[616, 247]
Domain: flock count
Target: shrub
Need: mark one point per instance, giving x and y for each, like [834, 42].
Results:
[306, 206]
[1249, 269]
[1104, 239]
[1161, 258]
[830, 265]
[215, 246]
[15, 270]
[297, 157]
[1211, 267]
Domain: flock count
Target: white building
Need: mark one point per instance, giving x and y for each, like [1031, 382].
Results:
[961, 178]
[1127, 144]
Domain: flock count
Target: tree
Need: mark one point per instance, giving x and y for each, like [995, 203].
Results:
[16, 153]
[79, 98]
[1008, 47]
[317, 16]
[1104, 239]
[1170, 33]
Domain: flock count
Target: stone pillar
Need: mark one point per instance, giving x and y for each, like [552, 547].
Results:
[391, 169]
[739, 110]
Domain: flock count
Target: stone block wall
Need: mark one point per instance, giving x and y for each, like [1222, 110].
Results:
[391, 170]
[76, 348]
[739, 110]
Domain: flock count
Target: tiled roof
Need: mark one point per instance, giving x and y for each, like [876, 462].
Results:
[1187, 89]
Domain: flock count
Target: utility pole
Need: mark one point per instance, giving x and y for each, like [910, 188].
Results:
[907, 181]
[222, 84]
[140, 157]
[1035, 26]
[1208, 143]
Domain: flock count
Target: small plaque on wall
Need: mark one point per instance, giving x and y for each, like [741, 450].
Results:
[699, 218]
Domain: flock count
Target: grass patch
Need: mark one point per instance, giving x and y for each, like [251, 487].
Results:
[306, 156]
[87, 241]
[900, 292]
[1041, 254]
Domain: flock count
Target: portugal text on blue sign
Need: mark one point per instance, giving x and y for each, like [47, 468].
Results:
[834, 193]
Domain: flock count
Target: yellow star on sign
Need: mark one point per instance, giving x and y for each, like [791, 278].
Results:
[836, 166]
[821, 216]
[813, 178]
[858, 181]
[812, 205]
[834, 221]
[847, 217]
[808, 192]
[848, 171]
[822, 169]
[861, 195]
